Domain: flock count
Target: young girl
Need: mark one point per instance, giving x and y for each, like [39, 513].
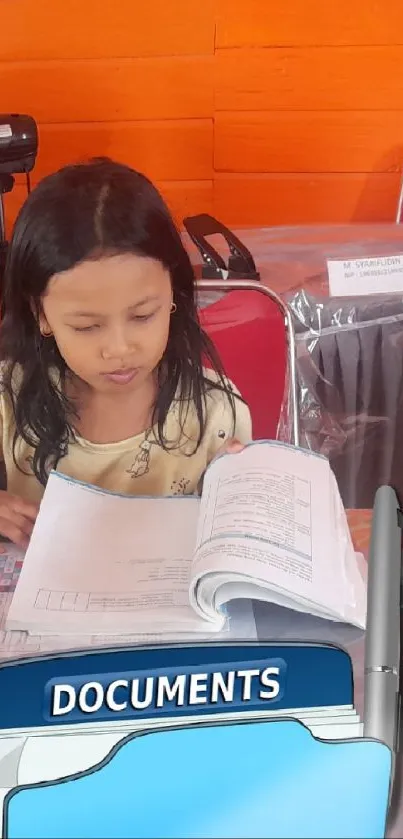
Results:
[101, 348]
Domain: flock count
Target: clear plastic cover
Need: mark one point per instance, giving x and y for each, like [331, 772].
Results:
[349, 351]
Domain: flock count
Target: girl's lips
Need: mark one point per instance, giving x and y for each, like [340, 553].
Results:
[121, 377]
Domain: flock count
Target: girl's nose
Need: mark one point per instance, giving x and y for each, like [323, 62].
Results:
[116, 345]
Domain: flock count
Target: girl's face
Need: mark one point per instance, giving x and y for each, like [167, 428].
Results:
[110, 319]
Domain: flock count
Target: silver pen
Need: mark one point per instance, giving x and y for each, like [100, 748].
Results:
[382, 642]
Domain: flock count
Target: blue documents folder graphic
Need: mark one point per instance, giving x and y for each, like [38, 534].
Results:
[31, 682]
[255, 779]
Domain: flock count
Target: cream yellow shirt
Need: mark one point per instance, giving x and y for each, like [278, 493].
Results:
[136, 466]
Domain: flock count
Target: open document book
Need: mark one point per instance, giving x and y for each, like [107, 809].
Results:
[269, 525]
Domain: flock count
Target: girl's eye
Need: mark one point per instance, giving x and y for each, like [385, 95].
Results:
[137, 318]
[143, 317]
[84, 328]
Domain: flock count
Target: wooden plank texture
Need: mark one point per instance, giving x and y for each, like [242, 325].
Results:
[187, 198]
[259, 200]
[263, 112]
[168, 150]
[326, 78]
[109, 90]
[309, 141]
[183, 198]
[75, 29]
[262, 23]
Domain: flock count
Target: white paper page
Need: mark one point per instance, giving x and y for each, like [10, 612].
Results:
[338, 731]
[59, 755]
[354, 567]
[363, 276]
[48, 754]
[320, 719]
[268, 515]
[343, 715]
[240, 625]
[101, 563]
[14, 644]
[222, 588]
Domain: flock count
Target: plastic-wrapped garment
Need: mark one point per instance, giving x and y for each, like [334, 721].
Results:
[350, 364]
[349, 351]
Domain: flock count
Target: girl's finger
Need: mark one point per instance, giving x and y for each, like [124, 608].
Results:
[10, 512]
[23, 524]
[11, 531]
[234, 446]
[25, 508]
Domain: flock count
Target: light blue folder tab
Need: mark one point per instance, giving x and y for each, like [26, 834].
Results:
[260, 779]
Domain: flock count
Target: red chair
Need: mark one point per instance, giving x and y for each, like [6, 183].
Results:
[251, 328]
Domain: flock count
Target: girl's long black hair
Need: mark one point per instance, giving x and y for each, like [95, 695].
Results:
[78, 213]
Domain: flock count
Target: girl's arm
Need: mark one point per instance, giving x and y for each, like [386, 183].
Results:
[225, 434]
[17, 516]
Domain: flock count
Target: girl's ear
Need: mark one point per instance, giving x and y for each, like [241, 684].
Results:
[43, 325]
[40, 319]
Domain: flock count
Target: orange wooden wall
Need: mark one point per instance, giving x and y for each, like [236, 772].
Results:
[259, 111]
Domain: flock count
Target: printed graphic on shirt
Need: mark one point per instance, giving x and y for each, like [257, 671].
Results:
[180, 487]
[141, 464]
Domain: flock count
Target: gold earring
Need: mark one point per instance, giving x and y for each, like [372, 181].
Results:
[46, 334]
[173, 308]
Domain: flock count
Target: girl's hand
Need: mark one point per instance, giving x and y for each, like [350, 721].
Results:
[17, 518]
[230, 447]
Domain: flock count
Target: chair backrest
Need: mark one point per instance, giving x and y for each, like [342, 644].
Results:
[249, 334]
